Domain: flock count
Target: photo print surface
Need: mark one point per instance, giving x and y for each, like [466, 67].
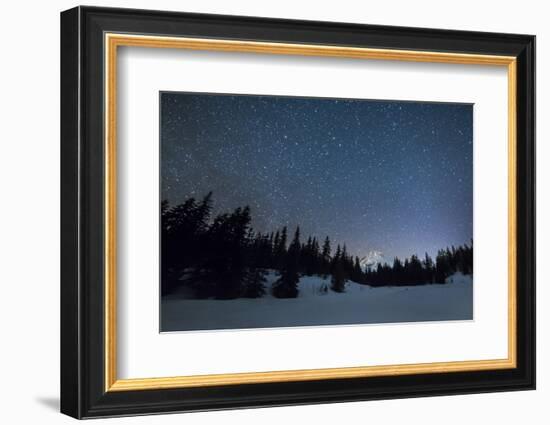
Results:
[281, 211]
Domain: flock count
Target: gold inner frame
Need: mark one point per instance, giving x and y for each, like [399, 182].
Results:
[113, 41]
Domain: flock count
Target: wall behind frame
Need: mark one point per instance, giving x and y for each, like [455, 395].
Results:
[29, 219]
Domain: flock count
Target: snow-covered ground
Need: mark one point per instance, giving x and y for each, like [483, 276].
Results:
[314, 305]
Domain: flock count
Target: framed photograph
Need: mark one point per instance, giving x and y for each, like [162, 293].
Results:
[261, 212]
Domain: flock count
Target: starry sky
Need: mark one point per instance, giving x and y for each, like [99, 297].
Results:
[389, 176]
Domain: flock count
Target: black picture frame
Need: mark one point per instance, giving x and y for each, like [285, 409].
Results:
[83, 392]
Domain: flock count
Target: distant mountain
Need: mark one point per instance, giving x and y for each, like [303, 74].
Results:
[372, 259]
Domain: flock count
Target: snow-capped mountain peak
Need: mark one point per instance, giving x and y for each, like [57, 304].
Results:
[372, 259]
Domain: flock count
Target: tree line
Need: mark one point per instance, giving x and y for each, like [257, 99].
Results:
[223, 257]
[414, 271]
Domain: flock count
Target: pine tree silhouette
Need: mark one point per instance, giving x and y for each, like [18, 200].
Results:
[338, 280]
[325, 257]
[224, 257]
[253, 285]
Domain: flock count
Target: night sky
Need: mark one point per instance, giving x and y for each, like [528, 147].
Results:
[386, 176]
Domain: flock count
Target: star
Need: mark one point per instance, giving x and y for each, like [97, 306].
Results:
[373, 175]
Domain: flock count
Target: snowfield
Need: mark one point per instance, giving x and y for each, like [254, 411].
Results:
[317, 304]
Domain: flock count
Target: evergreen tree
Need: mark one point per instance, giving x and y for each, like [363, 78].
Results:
[398, 274]
[428, 266]
[442, 266]
[282, 241]
[253, 285]
[336, 258]
[308, 257]
[295, 246]
[203, 212]
[177, 223]
[415, 272]
[280, 249]
[325, 257]
[315, 249]
[326, 249]
[287, 285]
[338, 280]
[469, 258]
[222, 274]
